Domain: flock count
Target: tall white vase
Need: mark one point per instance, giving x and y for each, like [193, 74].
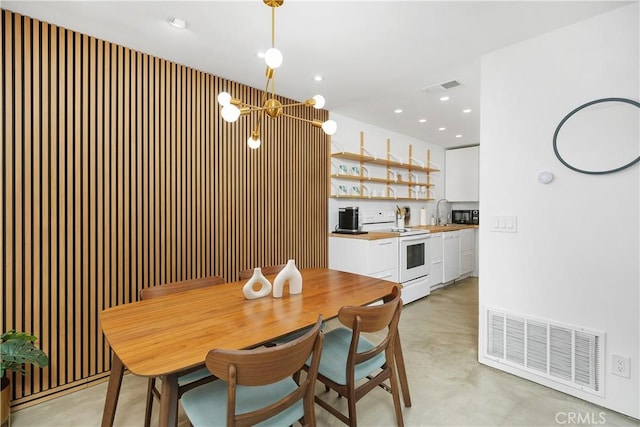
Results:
[289, 274]
[257, 278]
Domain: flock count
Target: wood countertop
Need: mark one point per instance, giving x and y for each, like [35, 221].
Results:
[444, 228]
[371, 235]
[377, 235]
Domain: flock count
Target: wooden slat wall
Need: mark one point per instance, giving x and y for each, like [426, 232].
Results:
[118, 173]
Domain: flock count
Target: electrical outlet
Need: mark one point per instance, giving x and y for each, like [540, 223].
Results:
[620, 365]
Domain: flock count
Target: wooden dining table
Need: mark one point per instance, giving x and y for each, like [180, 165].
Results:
[166, 336]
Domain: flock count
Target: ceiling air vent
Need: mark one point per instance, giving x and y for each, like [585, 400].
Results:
[441, 87]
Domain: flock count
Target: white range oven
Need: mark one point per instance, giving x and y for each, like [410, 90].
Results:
[413, 261]
[413, 253]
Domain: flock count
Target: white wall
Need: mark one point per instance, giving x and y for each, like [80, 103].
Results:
[575, 256]
[375, 140]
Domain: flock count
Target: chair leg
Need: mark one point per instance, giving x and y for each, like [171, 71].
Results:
[351, 404]
[402, 372]
[147, 412]
[395, 392]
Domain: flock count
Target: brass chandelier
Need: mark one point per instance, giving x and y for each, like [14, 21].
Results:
[233, 108]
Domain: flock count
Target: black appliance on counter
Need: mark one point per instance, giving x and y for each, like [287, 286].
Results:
[465, 217]
[349, 221]
[475, 217]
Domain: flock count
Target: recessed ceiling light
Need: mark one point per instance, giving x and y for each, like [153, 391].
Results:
[398, 110]
[458, 136]
[468, 110]
[260, 55]
[444, 98]
[441, 129]
[422, 120]
[317, 78]
[178, 23]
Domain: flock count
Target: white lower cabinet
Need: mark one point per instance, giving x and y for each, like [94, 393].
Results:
[436, 254]
[451, 256]
[467, 253]
[375, 258]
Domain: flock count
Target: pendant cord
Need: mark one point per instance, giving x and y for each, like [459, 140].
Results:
[273, 45]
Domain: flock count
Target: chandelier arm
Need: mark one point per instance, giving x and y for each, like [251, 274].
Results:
[266, 88]
[246, 109]
[295, 104]
[315, 123]
[256, 128]
[256, 108]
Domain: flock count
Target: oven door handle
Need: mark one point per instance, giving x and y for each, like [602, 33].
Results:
[414, 239]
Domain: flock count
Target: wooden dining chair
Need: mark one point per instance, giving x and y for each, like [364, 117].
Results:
[196, 376]
[258, 385]
[348, 357]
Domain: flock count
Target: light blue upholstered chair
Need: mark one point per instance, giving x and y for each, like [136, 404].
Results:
[257, 386]
[348, 357]
[195, 377]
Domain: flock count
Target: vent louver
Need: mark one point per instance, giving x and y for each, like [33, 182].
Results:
[558, 352]
[442, 86]
[451, 84]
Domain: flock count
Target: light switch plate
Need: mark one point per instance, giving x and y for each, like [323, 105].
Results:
[504, 224]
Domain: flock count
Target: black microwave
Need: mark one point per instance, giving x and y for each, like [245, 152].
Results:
[465, 216]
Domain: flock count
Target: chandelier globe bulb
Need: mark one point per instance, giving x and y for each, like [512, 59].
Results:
[329, 127]
[230, 113]
[253, 143]
[319, 102]
[224, 98]
[273, 58]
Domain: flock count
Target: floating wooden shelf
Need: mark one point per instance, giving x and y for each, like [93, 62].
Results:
[391, 185]
[382, 162]
[366, 179]
[347, 196]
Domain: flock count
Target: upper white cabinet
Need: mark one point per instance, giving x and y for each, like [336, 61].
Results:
[461, 174]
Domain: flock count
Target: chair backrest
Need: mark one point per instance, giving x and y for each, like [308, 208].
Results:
[272, 269]
[263, 366]
[175, 287]
[372, 319]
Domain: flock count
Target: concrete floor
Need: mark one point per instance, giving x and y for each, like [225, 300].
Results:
[448, 386]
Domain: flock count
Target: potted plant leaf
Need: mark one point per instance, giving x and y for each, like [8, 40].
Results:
[16, 350]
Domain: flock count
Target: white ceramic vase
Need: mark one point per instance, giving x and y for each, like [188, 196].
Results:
[289, 274]
[257, 278]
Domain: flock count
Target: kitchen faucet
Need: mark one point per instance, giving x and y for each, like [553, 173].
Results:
[438, 210]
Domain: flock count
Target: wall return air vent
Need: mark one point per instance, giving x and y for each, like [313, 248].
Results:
[561, 353]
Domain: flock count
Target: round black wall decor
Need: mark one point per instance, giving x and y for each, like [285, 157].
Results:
[562, 122]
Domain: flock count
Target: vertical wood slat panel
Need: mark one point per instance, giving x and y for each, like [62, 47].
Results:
[44, 298]
[118, 174]
[99, 186]
[16, 189]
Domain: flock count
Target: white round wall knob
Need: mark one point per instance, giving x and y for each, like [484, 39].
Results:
[545, 177]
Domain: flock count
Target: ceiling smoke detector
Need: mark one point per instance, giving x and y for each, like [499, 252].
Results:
[441, 87]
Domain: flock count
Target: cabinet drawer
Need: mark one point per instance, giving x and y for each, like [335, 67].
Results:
[390, 275]
[436, 249]
[382, 255]
[363, 256]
